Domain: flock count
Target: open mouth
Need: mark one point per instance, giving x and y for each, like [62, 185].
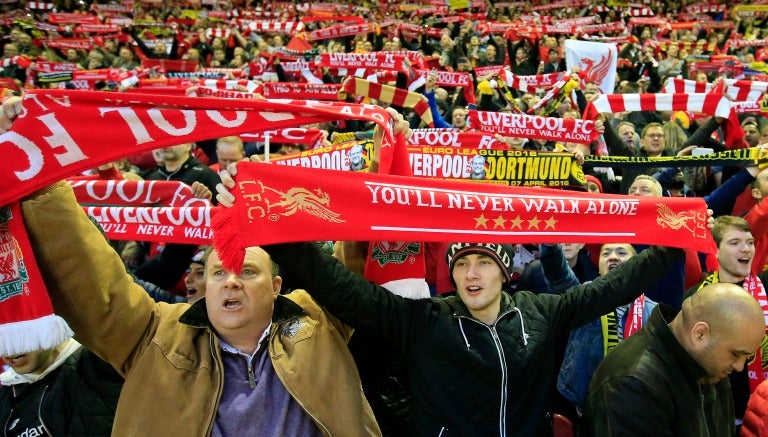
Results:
[745, 260]
[231, 304]
[612, 266]
[474, 289]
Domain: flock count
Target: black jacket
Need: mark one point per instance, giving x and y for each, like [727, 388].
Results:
[79, 398]
[191, 171]
[648, 386]
[469, 378]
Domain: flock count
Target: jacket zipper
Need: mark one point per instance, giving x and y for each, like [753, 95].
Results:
[503, 362]
[5, 427]
[251, 377]
[40, 411]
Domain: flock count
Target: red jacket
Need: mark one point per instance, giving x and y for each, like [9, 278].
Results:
[756, 416]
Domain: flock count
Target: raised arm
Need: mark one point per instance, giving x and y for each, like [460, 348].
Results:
[87, 282]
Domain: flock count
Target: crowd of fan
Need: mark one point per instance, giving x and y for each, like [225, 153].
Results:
[706, 42]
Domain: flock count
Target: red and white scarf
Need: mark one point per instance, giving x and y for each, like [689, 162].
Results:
[634, 321]
[736, 90]
[534, 127]
[711, 104]
[301, 91]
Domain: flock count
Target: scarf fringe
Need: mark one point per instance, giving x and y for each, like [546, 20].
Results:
[227, 239]
[32, 335]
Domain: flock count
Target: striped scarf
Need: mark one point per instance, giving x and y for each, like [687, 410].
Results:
[712, 104]
[388, 94]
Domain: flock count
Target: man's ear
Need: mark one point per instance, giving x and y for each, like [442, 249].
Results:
[700, 334]
[755, 192]
[277, 284]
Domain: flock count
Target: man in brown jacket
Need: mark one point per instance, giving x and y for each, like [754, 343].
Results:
[244, 360]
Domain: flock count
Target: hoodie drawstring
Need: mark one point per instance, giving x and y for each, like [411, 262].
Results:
[522, 325]
[461, 328]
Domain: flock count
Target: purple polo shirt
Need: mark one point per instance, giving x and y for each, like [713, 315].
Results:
[254, 401]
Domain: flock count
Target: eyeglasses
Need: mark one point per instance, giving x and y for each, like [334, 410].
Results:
[654, 135]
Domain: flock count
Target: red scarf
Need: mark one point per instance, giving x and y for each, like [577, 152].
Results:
[316, 206]
[372, 60]
[135, 193]
[534, 127]
[55, 137]
[634, 321]
[455, 138]
[388, 94]
[301, 91]
[26, 314]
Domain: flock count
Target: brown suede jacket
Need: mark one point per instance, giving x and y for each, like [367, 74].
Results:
[168, 353]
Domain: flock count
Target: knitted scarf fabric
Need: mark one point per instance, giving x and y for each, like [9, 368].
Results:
[316, 206]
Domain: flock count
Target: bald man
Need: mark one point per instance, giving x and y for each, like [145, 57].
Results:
[670, 379]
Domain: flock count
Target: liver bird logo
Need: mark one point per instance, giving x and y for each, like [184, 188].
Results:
[595, 72]
[676, 220]
[274, 204]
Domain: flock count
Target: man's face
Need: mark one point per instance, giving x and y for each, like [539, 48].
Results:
[356, 154]
[761, 191]
[591, 92]
[195, 282]
[15, 34]
[764, 134]
[460, 118]
[751, 135]
[735, 254]
[554, 57]
[10, 50]
[126, 54]
[642, 187]
[478, 164]
[653, 140]
[31, 362]
[228, 153]
[478, 283]
[721, 353]
[613, 255]
[571, 250]
[241, 303]
[160, 49]
[175, 153]
[627, 133]
[520, 55]
[490, 53]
